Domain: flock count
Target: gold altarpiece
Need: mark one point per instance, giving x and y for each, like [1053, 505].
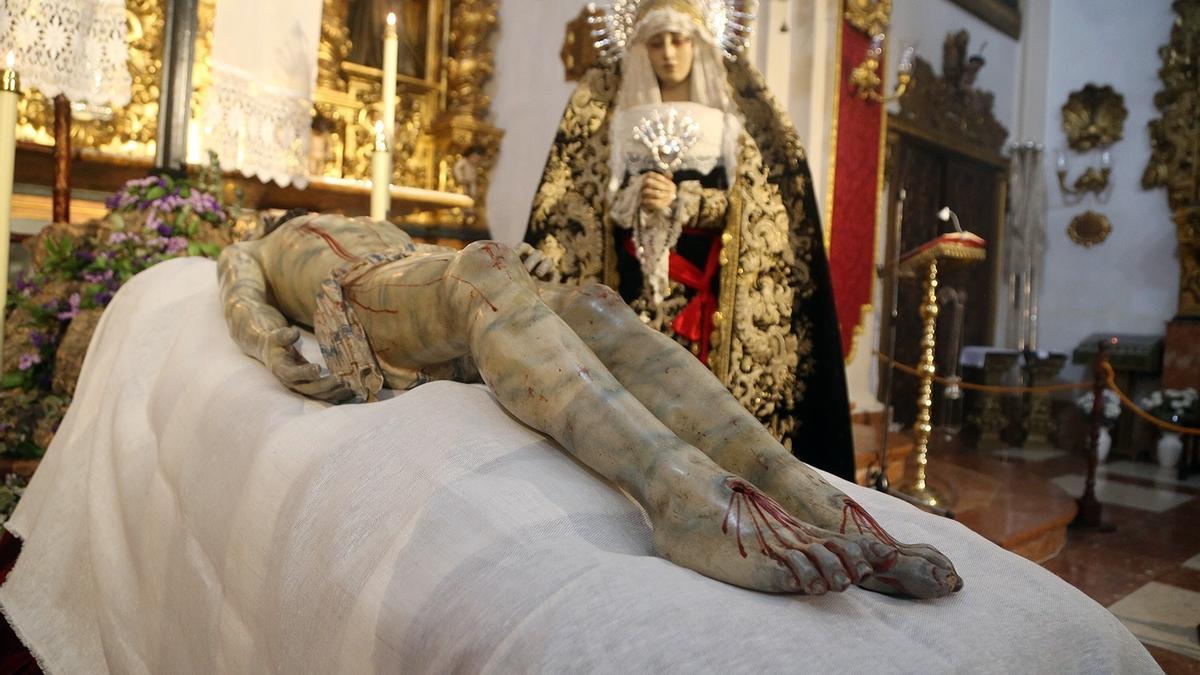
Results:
[441, 113]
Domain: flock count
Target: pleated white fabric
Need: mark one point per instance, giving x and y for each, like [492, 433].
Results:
[192, 516]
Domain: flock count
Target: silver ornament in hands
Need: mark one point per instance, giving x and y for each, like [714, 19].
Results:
[669, 140]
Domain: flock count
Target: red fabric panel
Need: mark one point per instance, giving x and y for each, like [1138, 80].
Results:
[855, 191]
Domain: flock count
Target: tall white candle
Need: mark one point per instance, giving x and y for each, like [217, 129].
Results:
[9, 86]
[391, 43]
[381, 175]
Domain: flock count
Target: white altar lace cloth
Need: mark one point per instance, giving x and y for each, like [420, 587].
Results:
[72, 47]
[258, 114]
[192, 516]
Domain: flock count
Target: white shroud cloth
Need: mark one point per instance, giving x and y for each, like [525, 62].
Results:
[258, 115]
[192, 516]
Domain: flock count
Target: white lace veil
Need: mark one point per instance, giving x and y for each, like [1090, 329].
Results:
[639, 84]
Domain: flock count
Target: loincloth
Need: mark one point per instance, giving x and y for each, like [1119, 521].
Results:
[347, 348]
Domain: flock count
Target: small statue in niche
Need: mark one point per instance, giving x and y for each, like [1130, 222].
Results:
[574, 362]
[319, 147]
[958, 68]
[466, 170]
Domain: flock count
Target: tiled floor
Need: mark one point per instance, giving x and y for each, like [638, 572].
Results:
[1146, 571]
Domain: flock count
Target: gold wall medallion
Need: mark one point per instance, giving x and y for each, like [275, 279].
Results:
[1094, 117]
[1089, 228]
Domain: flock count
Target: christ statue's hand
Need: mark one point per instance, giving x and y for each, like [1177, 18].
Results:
[538, 264]
[296, 373]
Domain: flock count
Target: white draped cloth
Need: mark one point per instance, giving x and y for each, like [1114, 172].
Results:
[258, 115]
[72, 47]
[193, 516]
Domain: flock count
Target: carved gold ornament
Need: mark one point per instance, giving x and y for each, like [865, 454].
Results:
[1093, 117]
[1089, 228]
[869, 16]
[1175, 146]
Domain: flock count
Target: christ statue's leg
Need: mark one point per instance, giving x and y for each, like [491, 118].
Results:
[683, 394]
[430, 309]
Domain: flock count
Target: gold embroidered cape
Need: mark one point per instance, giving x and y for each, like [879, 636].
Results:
[775, 341]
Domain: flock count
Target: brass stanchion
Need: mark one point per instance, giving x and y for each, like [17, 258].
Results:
[1090, 509]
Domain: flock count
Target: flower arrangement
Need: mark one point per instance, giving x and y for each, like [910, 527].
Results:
[1178, 406]
[77, 270]
[1111, 409]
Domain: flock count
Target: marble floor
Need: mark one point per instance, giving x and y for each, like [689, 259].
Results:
[1147, 570]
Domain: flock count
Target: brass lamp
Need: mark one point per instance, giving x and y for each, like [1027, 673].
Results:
[958, 245]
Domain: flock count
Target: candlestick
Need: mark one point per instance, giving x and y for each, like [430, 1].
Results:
[381, 174]
[391, 43]
[9, 93]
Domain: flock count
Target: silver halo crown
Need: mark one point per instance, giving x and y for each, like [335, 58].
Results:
[614, 26]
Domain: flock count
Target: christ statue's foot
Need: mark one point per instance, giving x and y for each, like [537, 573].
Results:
[921, 571]
[725, 528]
[918, 571]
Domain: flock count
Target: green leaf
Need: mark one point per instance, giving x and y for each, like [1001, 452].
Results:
[12, 380]
[185, 191]
[156, 192]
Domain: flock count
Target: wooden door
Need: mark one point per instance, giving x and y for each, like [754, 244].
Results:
[933, 176]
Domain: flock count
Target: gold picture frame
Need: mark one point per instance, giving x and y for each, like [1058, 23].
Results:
[1003, 15]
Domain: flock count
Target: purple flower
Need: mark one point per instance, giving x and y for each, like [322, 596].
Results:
[28, 360]
[102, 298]
[157, 242]
[165, 230]
[176, 244]
[73, 310]
[85, 256]
[117, 237]
[38, 339]
[25, 285]
[98, 277]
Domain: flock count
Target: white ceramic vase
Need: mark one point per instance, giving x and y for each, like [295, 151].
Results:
[1170, 447]
[1103, 445]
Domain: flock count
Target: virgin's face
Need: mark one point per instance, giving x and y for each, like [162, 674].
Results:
[671, 57]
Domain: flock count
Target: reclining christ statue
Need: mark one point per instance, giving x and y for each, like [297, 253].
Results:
[724, 498]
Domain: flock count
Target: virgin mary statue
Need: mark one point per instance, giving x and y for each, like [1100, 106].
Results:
[675, 178]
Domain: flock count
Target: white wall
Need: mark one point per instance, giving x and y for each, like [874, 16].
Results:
[528, 97]
[1130, 282]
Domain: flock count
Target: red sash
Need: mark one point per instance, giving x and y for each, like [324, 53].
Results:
[695, 321]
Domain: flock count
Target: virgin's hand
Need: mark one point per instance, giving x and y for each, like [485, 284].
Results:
[538, 264]
[658, 192]
[296, 373]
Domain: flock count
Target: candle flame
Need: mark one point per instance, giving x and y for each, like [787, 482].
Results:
[391, 18]
[10, 60]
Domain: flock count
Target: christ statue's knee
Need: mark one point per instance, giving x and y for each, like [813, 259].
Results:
[597, 313]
